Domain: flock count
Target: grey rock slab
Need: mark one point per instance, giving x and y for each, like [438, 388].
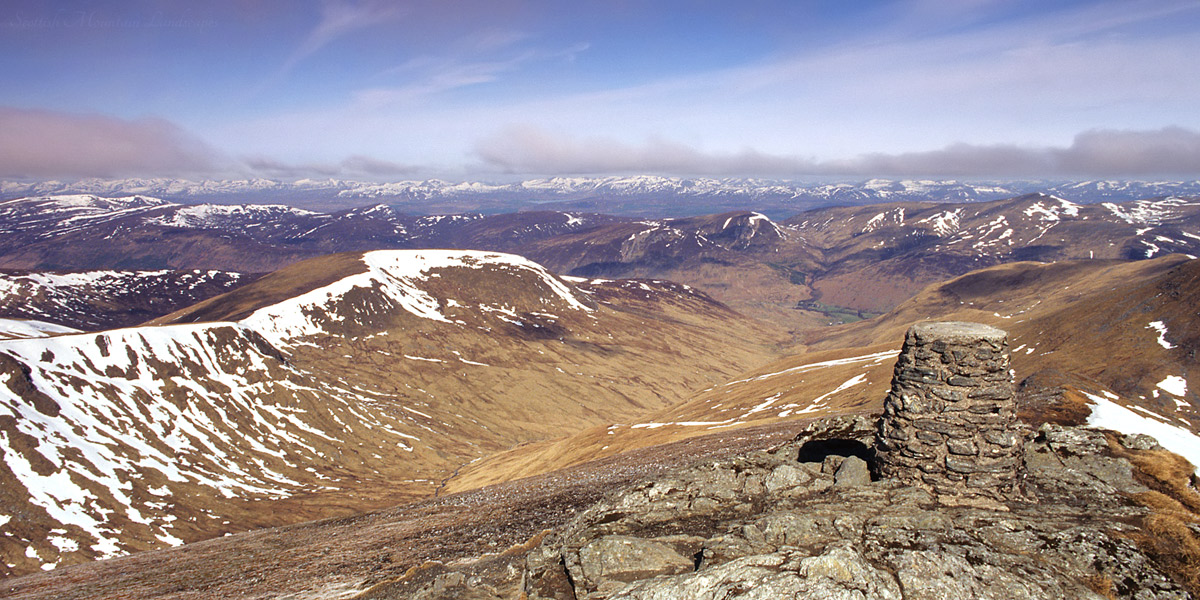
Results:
[625, 558]
[1140, 441]
[1073, 440]
[958, 332]
[838, 574]
[787, 476]
[854, 471]
[930, 575]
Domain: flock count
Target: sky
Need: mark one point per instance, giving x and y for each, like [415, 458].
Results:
[496, 90]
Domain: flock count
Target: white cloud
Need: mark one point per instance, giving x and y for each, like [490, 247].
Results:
[47, 144]
[531, 150]
[356, 166]
[39, 143]
[1168, 151]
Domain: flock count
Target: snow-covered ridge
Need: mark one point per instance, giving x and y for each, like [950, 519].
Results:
[86, 299]
[217, 215]
[102, 279]
[56, 215]
[1052, 212]
[1147, 212]
[79, 279]
[879, 190]
[143, 411]
[398, 274]
[88, 202]
[28, 328]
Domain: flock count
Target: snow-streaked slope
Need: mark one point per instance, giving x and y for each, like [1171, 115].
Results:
[28, 328]
[219, 216]
[398, 274]
[1147, 212]
[123, 420]
[93, 300]
[385, 373]
[51, 216]
[1035, 226]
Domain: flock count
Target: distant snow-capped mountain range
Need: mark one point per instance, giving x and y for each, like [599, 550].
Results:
[640, 195]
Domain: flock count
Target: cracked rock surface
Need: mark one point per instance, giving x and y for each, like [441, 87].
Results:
[794, 522]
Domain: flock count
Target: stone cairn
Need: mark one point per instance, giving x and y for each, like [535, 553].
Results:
[949, 422]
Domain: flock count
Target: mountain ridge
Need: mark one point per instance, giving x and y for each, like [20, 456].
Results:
[635, 195]
[1058, 316]
[376, 376]
[96, 300]
[819, 267]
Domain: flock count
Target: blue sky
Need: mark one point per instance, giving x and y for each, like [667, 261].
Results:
[500, 89]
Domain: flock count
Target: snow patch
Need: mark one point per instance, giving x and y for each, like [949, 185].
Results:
[876, 358]
[945, 222]
[896, 215]
[819, 402]
[656, 425]
[1174, 384]
[1052, 212]
[28, 328]
[1110, 415]
[1162, 334]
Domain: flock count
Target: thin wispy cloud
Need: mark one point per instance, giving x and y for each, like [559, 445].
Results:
[338, 19]
[430, 75]
[343, 17]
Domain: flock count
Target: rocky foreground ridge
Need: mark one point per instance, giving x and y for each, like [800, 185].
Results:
[967, 503]
[1086, 514]
[805, 520]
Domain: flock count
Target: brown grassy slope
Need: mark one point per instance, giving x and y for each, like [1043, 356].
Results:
[280, 285]
[755, 268]
[1086, 321]
[515, 364]
[332, 557]
[877, 256]
[1011, 290]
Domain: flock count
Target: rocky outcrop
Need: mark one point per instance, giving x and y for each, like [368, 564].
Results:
[949, 423]
[801, 521]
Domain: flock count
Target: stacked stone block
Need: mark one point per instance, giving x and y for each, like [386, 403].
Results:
[949, 422]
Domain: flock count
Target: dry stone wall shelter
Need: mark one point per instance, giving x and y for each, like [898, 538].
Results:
[949, 422]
